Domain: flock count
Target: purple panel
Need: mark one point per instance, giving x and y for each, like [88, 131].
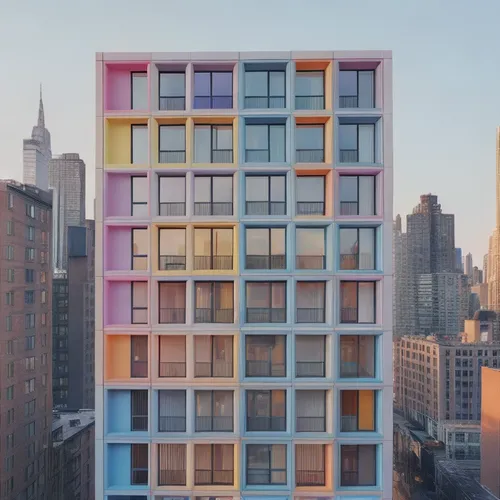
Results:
[213, 90]
[118, 249]
[118, 303]
[118, 193]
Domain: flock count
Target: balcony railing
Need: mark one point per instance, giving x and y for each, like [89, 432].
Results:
[213, 102]
[349, 423]
[350, 261]
[208, 315]
[214, 424]
[206, 476]
[349, 208]
[172, 477]
[309, 102]
[266, 315]
[172, 262]
[139, 369]
[172, 315]
[310, 315]
[310, 477]
[311, 424]
[266, 261]
[217, 369]
[310, 208]
[266, 476]
[172, 103]
[348, 101]
[139, 476]
[172, 156]
[171, 209]
[139, 423]
[348, 314]
[312, 369]
[257, 155]
[309, 155]
[266, 208]
[349, 478]
[216, 262]
[215, 208]
[264, 102]
[171, 369]
[265, 424]
[310, 262]
[266, 368]
[171, 424]
[222, 155]
[348, 156]
[351, 369]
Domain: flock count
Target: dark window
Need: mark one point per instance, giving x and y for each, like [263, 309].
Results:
[265, 195]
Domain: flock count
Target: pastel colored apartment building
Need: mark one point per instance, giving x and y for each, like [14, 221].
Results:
[244, 275]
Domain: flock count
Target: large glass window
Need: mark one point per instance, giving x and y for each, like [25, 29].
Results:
[213, 248]
[357, 248]
[172, 249]
[357, 302]
[140, 90]
[310, 298]
[358, 465]
[266, 463]
[266, 302]
[310, 247]
[172, 302]
[310, 90]
[357, 89]
[214, 302]
[213, 144]
[140, 245]
[172, 91]
[310, 195]
[172, 196]
[265, 356]
[310, 144]
[172, 144]
[265, 248]
[357, 195]
[214, 411]
[139, 356]
[139, 302]
[358, 411]
[265, 89]
[140, 144]
[357, 356]
[265, 143]
[213, 195]
[265, 195]
[310, 411]
[357, 143]
[213, 90]
[266, 411]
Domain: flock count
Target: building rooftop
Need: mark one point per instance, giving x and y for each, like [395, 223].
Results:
[445, 341]
[29, 190]
[66, 424]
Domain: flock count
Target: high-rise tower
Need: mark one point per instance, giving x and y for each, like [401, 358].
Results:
[37, 153]
[493, 267]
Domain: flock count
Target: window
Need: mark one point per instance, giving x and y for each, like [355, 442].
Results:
[265, 248]
[140, 460]
[139, 355]
[172, 91]
[310, 300]
[29, 363]
[29, 254]
[10, 201]
[29, 408]
[310, 144]
[214, 411]
[10, 439]
[9, 252]
[265, 195]
[213, 356]
[310, 90]
[139, 83]
[214, 464]
[310, 248]
[9, 463]
[172, 144]
[213, 248]
[310, 195]
[213, 144]
[213, 195]
[29, 297]
[139, 410]
[29, 275]
[358, 411]
[357, 88]
[10, 347]
[358, 302]
[265, 143]
[172, 464]
[266, 411]
[30, 233]
[10, 228]
[43, 296]
[139, 302]
[357, 356]
[8, 323]
[29, 342]
[214, 302]
[310, 410]
[140, 246]
[10, 393]
[266, 463]
[357, 248]
[140, 195]
[140, 144]
[310, 465]
[213, 90]
[29, 320]
[358, 465]
[266, 302]
[9, 298]
[357, 195]
[30, 210]
[172, 251]
[265, 89]
[310, 353]
[10, 369]
[29, 386]
[172, 196]
[172, 306]
[172, 411]
[265, 356]
[357, 142]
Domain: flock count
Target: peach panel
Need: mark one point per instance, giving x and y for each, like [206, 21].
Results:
[117, 357]
[366, 410]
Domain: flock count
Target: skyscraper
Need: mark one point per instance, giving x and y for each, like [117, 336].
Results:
[37, 153]
[244, 274]
[468, 266]
[493, 277]
[460, 266]
[67, 181]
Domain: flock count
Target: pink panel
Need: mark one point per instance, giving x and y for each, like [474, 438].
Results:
[118, 301]
[117, 246]
[118, 195]
[117, 85]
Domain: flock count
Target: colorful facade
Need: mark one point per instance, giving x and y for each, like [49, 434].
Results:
[244, 275]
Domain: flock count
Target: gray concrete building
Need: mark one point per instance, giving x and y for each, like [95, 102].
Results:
[67, 181]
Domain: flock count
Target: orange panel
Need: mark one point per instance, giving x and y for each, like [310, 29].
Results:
[366, 417]
[118, 357]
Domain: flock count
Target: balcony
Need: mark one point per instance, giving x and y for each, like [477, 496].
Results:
[172, 209]
[266, 315]
[215, 262]
[265, 262]
[309, 155]
[172, 315]
[215, 477]
[172, 262]
[256, 368]
[208, 208]
[310, 315]
[209, 315]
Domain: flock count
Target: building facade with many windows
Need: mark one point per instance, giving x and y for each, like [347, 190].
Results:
[244, 275]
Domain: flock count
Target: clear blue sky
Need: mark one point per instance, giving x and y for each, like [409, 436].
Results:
[446, 77]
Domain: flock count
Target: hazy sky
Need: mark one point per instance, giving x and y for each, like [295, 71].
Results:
[446, 77]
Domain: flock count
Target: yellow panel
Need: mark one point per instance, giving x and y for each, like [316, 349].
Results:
[366, 417]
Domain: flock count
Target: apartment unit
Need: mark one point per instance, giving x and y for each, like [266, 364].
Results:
[25, 310]
[440, 380]
[244, 275]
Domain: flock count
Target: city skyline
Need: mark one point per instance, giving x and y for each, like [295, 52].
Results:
[429, 160]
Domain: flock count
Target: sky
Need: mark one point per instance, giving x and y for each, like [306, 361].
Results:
[446, 78]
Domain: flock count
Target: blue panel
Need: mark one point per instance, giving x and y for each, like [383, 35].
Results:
[119, 411]
[118, 465]
[77, 241]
